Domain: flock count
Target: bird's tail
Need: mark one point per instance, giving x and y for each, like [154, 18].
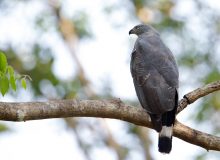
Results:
[165, 135]
[165, 139]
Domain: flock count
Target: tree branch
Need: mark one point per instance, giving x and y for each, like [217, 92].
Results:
[204, 140]
[198, 93]
[110, 109]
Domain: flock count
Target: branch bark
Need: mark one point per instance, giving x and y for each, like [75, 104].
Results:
[197, 93]
[110, 109]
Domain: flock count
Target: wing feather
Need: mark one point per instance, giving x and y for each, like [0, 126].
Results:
[155, 75]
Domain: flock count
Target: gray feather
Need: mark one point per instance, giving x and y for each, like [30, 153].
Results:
[154, 73]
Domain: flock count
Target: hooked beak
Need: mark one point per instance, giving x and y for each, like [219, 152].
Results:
[131, 31]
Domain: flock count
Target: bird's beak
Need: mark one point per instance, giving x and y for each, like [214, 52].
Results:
[131, 31]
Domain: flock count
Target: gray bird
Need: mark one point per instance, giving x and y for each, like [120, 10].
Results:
[156, 80]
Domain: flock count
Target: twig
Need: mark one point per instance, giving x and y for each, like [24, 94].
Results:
[198, 93]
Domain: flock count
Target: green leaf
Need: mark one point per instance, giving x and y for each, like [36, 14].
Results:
[12, 82]
[4, 85]
[10, 70]
[23, 83]
[3, 62]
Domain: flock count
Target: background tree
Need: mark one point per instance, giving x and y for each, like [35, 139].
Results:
[55, 31]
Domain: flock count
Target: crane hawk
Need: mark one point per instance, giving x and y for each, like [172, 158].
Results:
[155, 76]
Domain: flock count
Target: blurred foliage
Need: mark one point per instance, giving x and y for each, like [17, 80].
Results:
[81, 24]
[8, 78]
[194, 37]
[3, 128]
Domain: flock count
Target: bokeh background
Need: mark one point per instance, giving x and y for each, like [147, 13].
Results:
[81, 49]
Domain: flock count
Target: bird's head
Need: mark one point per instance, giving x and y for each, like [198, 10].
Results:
[142, 28]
